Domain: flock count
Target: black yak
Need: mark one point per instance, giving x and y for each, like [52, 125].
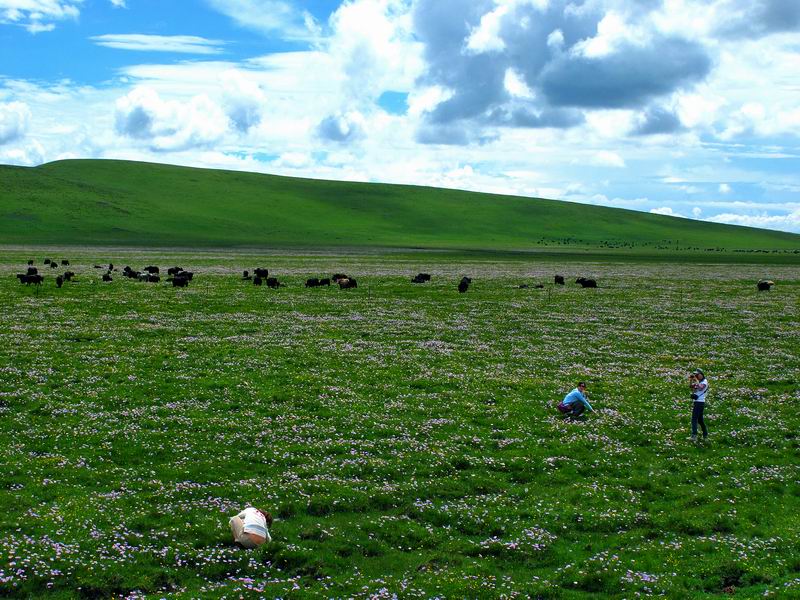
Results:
[347, 283]
[312, 282]
[59, 281]
[261, 272]
[257, 280]
[64, 262]
[152, 270]
[764, 285]
[272, 282]
[325, 281]
[421, 278]
[463, 285]
[586, 283]
[107, 277]
[559, 279]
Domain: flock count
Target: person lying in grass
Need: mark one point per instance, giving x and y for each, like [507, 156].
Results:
[250, 527]
[575, 402]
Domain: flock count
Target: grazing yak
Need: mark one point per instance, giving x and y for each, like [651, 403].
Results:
[32, 271]
[107, 277]
[68, 275]
[30, 279]
[152, 270]
[586, 283]
[47, 261]
[246, 276]
[338, 276]
[421, 278]
[559, 279]
[174, 270]
[65, 262]
[764, 285]
[272, 282]
[257, 280]
[463, 285]
[347, 283]
[30, 262]
[59, 281]
[53, 265]
[325, 281]
[261, 272]
[312, 282]
[179, 281]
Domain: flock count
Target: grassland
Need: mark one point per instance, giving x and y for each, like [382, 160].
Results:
[405, 436]
[148, 205]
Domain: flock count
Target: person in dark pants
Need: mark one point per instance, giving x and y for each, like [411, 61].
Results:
[698, 384]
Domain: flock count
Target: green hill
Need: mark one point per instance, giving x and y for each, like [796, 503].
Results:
[104, 202]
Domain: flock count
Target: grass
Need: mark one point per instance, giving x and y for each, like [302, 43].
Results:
[405, 436]
[104, 202]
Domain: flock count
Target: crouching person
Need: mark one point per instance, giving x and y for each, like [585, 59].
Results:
[250, 527]
[574, 403]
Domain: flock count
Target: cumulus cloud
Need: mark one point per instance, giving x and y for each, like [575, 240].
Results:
[666, 210]
[658, 120]
[243, 100]
[38, 15]
[14, 120]
[119, 3]
[169, 125]
[188, 44]
[29, 154]
[758, 18]
[785, 222]
[564, 59]
[342, 127]
[372, 43]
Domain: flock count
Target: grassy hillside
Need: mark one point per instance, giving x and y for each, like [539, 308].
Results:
[128, 203]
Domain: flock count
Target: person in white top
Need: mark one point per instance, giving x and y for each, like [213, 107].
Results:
[250, 527]
[698, 384]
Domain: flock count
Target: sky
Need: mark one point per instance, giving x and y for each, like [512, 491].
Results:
[681, 107]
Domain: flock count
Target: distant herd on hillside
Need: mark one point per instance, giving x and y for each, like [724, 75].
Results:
[180, 277]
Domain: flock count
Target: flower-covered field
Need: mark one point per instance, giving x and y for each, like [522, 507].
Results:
[404, 436]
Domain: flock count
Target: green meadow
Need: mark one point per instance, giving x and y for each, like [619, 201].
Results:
[404, 436]
[119, 203]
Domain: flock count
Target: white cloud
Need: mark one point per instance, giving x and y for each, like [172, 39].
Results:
[666, 210]
[269, 17]
[38, 15]
[188, 44]
[606, 158]
[119, 3]
[29, 154]
[342, 127]
[243, 100]
[724, 188]
[785, 222]
[169, 125]
[14, 120]
[372, 46]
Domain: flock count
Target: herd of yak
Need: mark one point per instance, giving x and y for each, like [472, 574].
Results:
[180, 277]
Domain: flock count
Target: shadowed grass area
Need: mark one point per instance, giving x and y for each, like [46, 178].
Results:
[104, 202]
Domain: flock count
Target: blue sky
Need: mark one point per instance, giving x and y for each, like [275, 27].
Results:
[682, 107]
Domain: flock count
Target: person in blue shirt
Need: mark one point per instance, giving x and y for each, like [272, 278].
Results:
[575, 402]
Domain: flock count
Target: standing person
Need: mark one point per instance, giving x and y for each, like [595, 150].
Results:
[249, 527]
[575, 402]
[698, 384]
